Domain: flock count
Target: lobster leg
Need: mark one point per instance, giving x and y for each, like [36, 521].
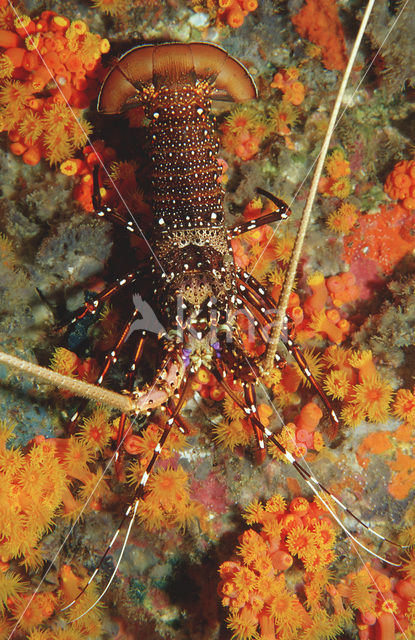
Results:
[110, 359]
[91, 306]
[167, 381]
[130, 512]
[243, 362]
[133, 506]
[256, 293]
[311, 481]
[298, 356]
[129, 384]
[280, 213]
[104, 211]
[251, 402]
[174, 409]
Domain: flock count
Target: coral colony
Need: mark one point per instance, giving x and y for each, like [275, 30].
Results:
[284, 571]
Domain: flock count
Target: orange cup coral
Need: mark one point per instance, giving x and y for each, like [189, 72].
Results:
[400, 183]
[61, 59]
[255, 588]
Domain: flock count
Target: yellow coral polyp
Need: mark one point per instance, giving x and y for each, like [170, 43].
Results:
[335, 356]
[284, 607]
[11, 585]
[245, 581]
[232, 410]
[389, 606]
[6, 66]
[69, 167]
[242, 119]
[231, 434]
[253, 512]
[77, 27]
[273, 377]
[95, 431]
[359, 358]
[112, 7]
[61, 21]
[341, 188]
[89, 50]
[167, 502]
[252, 546]
[104, 45]
[30, 127]
[404, 406]
[21, 21]
[343, 219]
[276, 504]
[15, 94]
[32, 42]
[353, 415]
[283, 117]
[7, 254]
[79, 132]
[299, 541]
[287, 439]
[31, 611]
[64, 361]
[58, 116]
[373, 396]
[243, 626]
[337, 166]
[284, 247]
[77, 456]
[337, 384]
[314, 364]
[315, 278]
[325, 532]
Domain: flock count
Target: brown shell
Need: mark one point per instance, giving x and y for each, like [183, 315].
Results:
[173, 65]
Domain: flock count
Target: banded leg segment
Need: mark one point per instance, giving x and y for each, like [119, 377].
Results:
[110, 359]
[312, 482]
[281, 212]
[251, 402]
[249, 367]
[92, 306]
[104, 211]
[129, 384]
[131, 511]
[298, 356]
[257, 296]
[256, 315]
[174, 408]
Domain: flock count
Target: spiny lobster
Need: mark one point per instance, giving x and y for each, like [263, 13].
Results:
[192, 264]
[196, 283]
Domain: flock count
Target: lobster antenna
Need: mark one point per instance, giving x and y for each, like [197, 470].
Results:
[116, 400]
[120, 557]
[87, 137]
[305, 218]
[313, 483]
[80, 388]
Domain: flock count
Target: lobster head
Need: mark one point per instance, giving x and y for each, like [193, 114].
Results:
[197, 286]
[201, 277]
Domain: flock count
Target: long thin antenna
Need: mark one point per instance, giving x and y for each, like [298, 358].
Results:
[299, 241]
[78, 387]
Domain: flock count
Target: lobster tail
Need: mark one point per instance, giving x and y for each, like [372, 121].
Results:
[173, 65]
